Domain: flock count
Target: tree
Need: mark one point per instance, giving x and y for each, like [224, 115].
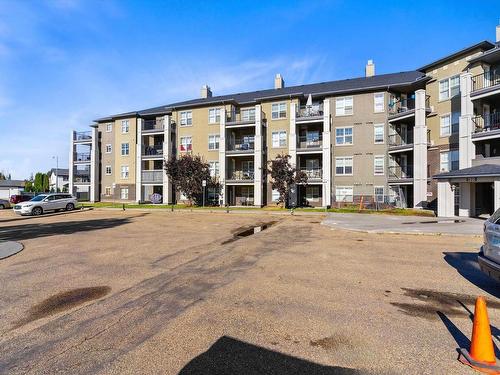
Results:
[284, 176]
[187, 174]
[41, 182]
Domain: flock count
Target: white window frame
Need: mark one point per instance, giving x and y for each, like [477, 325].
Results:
[379, 105]
[126, 149]
[315, 197]
[214, 115]
[450, 125]
[337, 188]
[122, 195]
[375, 127]
[109, 148]
[125, 126]
[446, 159]
[375, 158]
[213, 167]
[340, 162]
[340, 106]
[248, 114]
[185, 144]
[124, 172]
[379, 195]
[447, 94]
[107, 191]
[281, 139]
[343, 136]
[186, 118]
[106, 170]
[213, 142]
[109, 127]
[279, 111]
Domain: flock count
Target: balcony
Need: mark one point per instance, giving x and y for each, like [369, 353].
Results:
[397, 142]
[486, 82]
[152, 152]
[81, 178]
[245, 145]
[82, 157]
[82, 136]
[307, 113]
[400, 173]
[237, 119]
[240, 176]
[313, 173]
[153, 126]
[309, 143]
[152, 176]
[404, 108]
[487, 122]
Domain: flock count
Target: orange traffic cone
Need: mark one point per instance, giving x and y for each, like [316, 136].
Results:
[482, 355]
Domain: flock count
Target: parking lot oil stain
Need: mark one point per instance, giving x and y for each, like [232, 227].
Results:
[63, 301]
[431, 302]
[332, 342]
[246, 231]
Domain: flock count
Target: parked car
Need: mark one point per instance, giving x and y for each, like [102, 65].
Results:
[4, 204]
[489, 256]
[18, 198]
[46, 202]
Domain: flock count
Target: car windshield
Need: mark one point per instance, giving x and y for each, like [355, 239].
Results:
[38, 198]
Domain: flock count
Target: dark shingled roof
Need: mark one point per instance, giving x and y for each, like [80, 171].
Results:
[12, 183]
[376, 82]
[482, 170]
[60, 171]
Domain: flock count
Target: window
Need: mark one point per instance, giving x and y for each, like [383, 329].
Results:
[449, 87]
[186, 118]
[214, 168]
[378, 102]
[275, 195]
[214, 115]
[378, 133]
[343, 136]
[449, 124]
[448, 161]
[378, 165]
[248, 114]
[279, 138]
[312, 193]
[343, 193]
[278, 110]
[378, 191]
[124, 171]
[125, 149]
[108, 170]
[108, 149]
[186, 144]
[343, 165]
[125, 126]
[343, 106]
[107, 190]
[124, 193]
[213, 142]
[247, 168]
[109, 128]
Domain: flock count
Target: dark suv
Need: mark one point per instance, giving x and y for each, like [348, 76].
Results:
[18, 198]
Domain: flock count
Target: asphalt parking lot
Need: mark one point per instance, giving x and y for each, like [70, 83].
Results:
[128, 292]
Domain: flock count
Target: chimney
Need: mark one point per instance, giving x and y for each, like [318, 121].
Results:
[498, 33]
[370, 69]
[206, 92]
[278, 82]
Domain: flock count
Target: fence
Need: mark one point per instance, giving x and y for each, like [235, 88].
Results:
[369, 202]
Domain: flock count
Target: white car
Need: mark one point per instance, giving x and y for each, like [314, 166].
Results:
[489, 255]
[46, 202]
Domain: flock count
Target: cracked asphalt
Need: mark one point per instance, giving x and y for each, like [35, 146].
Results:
[157, 292]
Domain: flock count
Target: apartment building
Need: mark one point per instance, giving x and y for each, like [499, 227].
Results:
[399, 138]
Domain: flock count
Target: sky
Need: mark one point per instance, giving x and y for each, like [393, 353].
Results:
[64, 63]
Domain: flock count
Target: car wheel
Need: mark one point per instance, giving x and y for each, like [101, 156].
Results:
[37, 211]
[70, 207]
[2, 206]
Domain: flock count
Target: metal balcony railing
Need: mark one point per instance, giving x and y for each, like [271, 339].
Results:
[314, 110]
[396, 140]
[79, 179]
[400, 172]
[152, 125]
[485, 80]
[309, 142]
[401, 105]
[240, 117]
[82, 157]
[313, 173]
[487, 122]
[152, 176]
[240, 175]
[82, 136]
[241, 144]
[156, 150]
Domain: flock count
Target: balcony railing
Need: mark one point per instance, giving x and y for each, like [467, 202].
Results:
[401, 106]
[152, 125]
[237, 117]
[396, 140]
[82, 157]
[152, 176]
[240, 175]
[241, 144]
[400, 172]
[308, 142]
[313, 173]
[82, 136]
[310, 110]
[487, 122]
[81, 179]
[485, 80]
[156, 150]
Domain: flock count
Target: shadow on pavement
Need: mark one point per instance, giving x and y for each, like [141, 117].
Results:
[29, 231]
[49, 214]
[467, 266]
[231, 356]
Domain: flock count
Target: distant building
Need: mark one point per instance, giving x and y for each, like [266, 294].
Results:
[58, 179]
[10, 187]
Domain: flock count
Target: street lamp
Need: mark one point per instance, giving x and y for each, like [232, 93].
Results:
[57, 171]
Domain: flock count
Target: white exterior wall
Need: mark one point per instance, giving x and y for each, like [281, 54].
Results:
[446, 202]
[257, 186]
[497, 195]
[138, 162]
[292, 149]
[71, 162]
[420, 152]
[327, 158]
[222, 155]
[466, 147]
[94, 167]
[467, 199]
[167, 152]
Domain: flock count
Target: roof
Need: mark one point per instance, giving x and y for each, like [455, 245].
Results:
[12, 183]
[490, 56]
[485, 45]
[60, 171]
[482, 170]
[377, 82]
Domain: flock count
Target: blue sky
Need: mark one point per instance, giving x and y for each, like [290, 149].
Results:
[64, 63]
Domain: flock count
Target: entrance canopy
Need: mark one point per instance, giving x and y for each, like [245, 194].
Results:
[478, 173]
